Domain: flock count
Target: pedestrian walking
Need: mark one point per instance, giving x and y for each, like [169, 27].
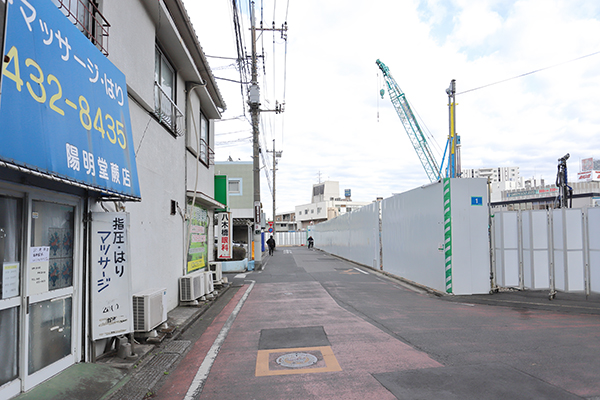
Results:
[271, 244]
[310, 242]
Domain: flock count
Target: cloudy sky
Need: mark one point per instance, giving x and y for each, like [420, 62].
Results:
[337, 127]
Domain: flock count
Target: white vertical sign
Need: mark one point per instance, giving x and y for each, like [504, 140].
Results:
[224, 244]
[112, 304]
[257, 221]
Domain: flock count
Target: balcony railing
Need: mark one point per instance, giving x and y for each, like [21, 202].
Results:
[207, 155]
[86, 16]
[167, 111]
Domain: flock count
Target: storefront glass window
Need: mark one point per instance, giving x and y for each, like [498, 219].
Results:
[49, 332]
[10, 275]
[10, 246]
[9, 349]
[52, 225]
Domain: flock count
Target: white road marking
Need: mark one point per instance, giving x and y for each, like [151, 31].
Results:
[198, 383]
[360, 270]
[239, 276]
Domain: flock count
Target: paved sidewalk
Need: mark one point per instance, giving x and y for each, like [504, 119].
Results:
[115, 379]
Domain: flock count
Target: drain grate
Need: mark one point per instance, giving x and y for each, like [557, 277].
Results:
[162, 362]
[176, 346]
[144, 380]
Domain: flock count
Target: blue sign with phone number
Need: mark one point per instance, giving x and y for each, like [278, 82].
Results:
[63, 105]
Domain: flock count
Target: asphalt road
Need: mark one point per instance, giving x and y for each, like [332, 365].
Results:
[311, 326]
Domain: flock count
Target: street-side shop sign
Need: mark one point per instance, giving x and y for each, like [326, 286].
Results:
[112, 307]
[224, 226]
[63, 105]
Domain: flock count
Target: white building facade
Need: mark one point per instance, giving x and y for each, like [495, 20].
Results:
[325, 204]
[129, 142]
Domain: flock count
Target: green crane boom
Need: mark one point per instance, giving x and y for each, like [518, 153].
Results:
[411, 125]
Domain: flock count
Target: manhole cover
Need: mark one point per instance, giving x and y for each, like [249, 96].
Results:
[296, 360]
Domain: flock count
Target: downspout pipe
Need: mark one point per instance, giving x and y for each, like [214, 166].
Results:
[191, 87]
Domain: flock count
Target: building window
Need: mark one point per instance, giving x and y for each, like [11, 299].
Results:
[235, 187]
[165, 107]
[199, 140]
[204, 136]
[85, 15]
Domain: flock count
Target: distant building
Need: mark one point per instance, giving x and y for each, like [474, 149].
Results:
[536, 195]
[325, 204]
[286, 222]
[498, 174]
[240, 200]
[501, 179]
[585, 194]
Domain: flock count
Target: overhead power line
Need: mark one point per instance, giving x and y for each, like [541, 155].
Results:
[528, 73]
[232, 80]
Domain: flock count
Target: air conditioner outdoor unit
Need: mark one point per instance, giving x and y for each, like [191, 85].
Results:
[217, 271]
[149, 309]
[192, 286]
[209, 286]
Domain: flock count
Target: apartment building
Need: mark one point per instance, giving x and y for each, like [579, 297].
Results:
[106, 174]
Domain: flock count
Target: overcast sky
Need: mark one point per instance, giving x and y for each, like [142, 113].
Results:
[337, 127]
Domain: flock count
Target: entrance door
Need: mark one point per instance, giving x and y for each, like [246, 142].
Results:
[48, 334]
[11, 261]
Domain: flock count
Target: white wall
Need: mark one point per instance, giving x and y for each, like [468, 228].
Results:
[166, 169]
[353, 236]
[470, 239]
[413, 236]
[548, 249]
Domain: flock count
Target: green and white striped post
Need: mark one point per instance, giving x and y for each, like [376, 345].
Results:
[448, 234]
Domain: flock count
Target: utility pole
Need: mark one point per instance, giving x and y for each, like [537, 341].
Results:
[254, 104]
[276, 155]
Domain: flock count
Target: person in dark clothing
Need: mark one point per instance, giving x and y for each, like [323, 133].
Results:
[310, 242]
[271, 244]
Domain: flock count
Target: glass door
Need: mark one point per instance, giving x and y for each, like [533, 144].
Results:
[11, 222]
[49, 335]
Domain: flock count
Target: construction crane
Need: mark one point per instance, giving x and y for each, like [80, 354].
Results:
[415, 134]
